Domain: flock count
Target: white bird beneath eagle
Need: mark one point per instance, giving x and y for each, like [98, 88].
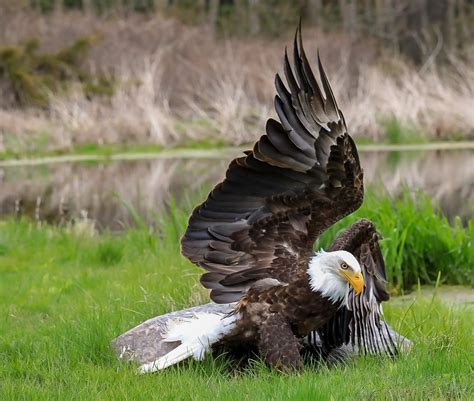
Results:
[255, 235]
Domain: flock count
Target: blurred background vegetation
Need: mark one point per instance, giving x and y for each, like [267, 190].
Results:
[416, 28]
[176, 72]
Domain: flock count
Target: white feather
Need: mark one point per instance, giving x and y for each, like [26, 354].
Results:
[179, 354]
[196, 335]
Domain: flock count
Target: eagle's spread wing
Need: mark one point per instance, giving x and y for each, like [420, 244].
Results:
[359, 323]
[258, 226]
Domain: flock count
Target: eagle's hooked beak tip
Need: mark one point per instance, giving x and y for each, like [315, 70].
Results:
[356, 280]
[358, 283]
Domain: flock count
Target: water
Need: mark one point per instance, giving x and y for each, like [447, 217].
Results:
[100, 189]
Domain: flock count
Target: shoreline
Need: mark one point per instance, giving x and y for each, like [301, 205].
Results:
[212, 153]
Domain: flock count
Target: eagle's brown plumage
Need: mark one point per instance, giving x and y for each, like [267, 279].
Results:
[255, 232]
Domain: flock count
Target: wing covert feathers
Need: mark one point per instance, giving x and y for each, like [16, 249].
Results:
[301, 177]
[361, 239]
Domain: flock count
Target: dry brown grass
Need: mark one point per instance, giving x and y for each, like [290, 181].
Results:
[438, 104]
[179, 83]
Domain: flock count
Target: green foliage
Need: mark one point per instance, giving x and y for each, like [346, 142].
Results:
[31, 75]
[3, 249]
[45, 6]
[74, 54]
[419, 242]
[450, 22]
[275, 14]
[61, 305]
[267, 17]
[109, 253]
[187, 11]
[100, 6]
[16, 146]
[397, 133]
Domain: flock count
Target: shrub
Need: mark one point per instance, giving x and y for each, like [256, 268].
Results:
[32, 75]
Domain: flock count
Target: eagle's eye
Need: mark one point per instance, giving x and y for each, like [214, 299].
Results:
[344, 266]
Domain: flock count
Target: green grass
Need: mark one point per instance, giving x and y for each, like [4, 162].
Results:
[37, 147]
[419, 241]
[38, 144]
[65, 293]
[396, 133]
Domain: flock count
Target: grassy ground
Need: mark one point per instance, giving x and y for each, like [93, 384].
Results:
[65, 293]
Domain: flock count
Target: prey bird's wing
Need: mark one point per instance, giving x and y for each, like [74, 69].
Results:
[258, 226]
[359, 323]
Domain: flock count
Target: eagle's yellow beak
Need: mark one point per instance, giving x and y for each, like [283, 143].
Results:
[354, 279]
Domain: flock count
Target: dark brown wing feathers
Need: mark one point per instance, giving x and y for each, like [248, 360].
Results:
[361, 239]
[303, 175]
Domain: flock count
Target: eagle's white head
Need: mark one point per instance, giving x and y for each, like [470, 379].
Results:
[331, 273]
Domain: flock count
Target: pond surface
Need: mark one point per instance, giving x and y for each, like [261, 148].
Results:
[100, 189]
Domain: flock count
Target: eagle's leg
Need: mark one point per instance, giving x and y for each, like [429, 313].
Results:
[278, 345]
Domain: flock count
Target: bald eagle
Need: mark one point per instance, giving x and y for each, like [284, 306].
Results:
[255, 233]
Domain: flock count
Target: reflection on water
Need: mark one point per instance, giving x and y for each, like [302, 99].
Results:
[101, 188]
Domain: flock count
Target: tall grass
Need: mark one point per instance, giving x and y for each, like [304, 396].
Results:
[419, 242]
[420, 245]
[66, 292]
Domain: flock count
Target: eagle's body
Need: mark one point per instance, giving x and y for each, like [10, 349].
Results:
[276, 327]
[256, 231]
[295, 303]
